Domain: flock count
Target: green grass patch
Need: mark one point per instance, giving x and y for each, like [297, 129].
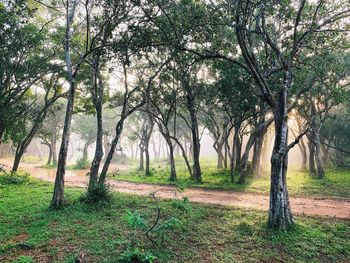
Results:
[30, 232]
[336, 183]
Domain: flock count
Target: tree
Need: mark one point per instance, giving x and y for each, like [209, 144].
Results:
[24, 58]
[30, 122]
[50, 130]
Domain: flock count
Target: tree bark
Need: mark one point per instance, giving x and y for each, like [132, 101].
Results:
[58, 193]
[141, 166]
[171, 159]
[49, 159]
[280, 215]
[97, 95]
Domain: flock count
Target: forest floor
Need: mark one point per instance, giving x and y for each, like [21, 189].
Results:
[186, 232]
[302, 205]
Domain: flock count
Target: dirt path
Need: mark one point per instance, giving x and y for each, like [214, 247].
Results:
[310, 206]
[300, 205]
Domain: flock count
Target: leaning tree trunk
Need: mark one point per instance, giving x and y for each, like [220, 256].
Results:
[113, 146]
[280, 215]
[58, 194]
[19, 153]
[184, 155]
[244, 162]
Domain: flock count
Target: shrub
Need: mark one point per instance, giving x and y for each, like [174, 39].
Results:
[137, 255]
[14, 177]
[98, 194]
[82, 163]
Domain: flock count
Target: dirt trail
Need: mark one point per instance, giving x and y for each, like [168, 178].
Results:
[310, 206]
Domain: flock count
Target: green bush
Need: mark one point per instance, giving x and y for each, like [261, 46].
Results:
[14, 177]
[82, 163]
[24, 259]
[97, 194]
[137, 255]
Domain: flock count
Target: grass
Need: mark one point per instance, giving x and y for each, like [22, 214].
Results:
[336, 184]
[29, 232]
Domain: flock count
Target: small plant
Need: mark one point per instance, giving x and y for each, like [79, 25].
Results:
[12, 177]
[137, 255]
[24, 259]
[82, 163]
[183, 205]
[97, 194]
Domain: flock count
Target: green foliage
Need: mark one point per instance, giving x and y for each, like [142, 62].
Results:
[226, 234]
[135, 220]
[82, 163]
[19, 177]
[32, 159]
[335, 184]
[98, 194]
[24, 259]
[183, 205]
[137, 255]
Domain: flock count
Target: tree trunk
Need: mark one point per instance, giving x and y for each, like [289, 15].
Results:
[96, 162]
[235, 152]
[49, 159]
[280, 215]
[58, 192]
[184, 155]
[171, 160]
[303, 152]
[312, 166]
[220, 163]
[256, 162]
[226, 154]
[113, 146]
[147, 161]
[141, 166]
[54, 155]
[18, 156]
[244, 163]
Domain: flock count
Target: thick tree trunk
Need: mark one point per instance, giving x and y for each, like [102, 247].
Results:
[220, 163]
[280, 215]
[18, 156]
[58, 193]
